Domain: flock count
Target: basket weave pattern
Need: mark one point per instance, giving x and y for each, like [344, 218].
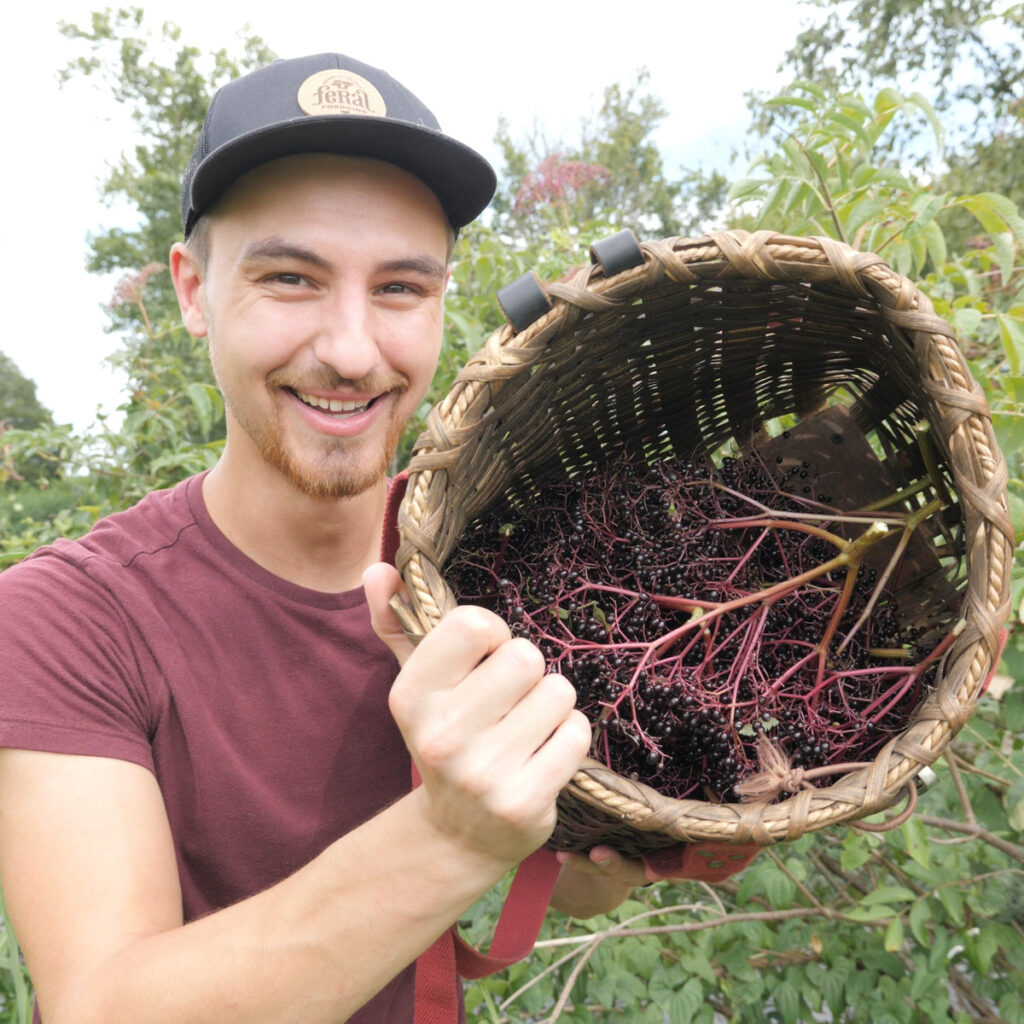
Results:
[710, 341]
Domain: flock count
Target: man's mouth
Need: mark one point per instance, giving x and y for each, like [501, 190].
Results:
[333, 405]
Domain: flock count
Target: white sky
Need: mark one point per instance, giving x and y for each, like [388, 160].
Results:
[535, 63]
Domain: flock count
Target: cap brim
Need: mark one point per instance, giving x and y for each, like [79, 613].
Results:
[462, 180]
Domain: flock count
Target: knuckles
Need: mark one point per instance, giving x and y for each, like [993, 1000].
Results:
[473, 627]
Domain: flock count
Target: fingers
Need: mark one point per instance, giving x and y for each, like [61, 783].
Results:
[494, 736]
[606, 862]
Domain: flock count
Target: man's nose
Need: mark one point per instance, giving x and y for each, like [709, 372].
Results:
[346, 341]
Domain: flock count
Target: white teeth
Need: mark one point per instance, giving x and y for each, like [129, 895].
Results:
[331, 404]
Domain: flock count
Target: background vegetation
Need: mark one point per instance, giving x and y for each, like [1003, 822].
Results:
[921, 924]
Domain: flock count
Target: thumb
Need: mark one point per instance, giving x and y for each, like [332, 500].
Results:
[382, 582]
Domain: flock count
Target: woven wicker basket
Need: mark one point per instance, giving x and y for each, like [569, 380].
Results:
[684, 345]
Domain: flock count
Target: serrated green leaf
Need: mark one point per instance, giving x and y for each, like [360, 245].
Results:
[965, 321]
[199, 396]
[697, 964]
[888, 894]
[1003, 205]
[953, 901]
[918, 100]
[987, 212]
[833, 986]
[894, 935]
[852, 125]
[919, 253]
[788, 1002]
[981, 949]
[935, 239]
[916, 837]
[873, 913]
[926, 208]
[812, 87]
[919, 916]
[791, 101]
[856, 852]
[1011, 333]
[1014, 803]
[801, 194]
[746, 188]
[888, 99]
[1005, 250]
[901, 258]
[1009, 431]
[863, 175]
[861, 212]
[772, 200]
[779, 889]
[1011, 1008]
[892, 177]
[686, 1002]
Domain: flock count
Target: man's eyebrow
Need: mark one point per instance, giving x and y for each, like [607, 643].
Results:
[274, 248]
[277, 248]
[420, 264]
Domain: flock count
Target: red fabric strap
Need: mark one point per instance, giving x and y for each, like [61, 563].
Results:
[702, 862]
[521, 918]
[437, 997]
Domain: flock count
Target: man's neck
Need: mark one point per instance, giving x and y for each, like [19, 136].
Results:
[323, 544]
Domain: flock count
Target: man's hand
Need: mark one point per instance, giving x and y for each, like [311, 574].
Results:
[493, 736]
[595, 882]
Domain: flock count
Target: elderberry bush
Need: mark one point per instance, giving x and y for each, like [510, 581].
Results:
[695, 608]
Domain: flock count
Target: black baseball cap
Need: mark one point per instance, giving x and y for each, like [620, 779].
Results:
[329, 103]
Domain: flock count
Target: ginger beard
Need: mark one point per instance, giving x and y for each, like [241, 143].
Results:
[336, 471]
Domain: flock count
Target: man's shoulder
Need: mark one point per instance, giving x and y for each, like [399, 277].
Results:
[155, 524]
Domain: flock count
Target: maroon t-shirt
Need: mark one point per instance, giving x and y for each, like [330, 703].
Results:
[260, 706]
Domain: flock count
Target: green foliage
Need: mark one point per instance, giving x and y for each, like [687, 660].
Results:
[614, 174]
[165, 86]
[19, 406]
[921, 924]
[15, 986]
[966, 55]
[869, 40]
[826, 171]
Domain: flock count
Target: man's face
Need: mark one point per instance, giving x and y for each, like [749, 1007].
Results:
[323, 303]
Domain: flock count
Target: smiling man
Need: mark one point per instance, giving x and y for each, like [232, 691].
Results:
[205, 806]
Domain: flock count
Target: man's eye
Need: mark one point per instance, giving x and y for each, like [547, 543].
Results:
[288, 279]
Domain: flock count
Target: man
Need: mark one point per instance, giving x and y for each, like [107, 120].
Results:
[205, 811]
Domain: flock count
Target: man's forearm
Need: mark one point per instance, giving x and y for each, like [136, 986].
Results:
[313, 948]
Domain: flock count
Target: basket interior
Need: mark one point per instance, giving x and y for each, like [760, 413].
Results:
[697, 369]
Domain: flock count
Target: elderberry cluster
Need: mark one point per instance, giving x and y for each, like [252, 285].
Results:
[690, 620]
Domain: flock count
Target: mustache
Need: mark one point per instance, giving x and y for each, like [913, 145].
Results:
[323, 378]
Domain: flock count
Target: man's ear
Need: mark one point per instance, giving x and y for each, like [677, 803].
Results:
[188, 283]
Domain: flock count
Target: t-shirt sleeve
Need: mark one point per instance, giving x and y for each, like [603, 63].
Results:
[69, 666]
